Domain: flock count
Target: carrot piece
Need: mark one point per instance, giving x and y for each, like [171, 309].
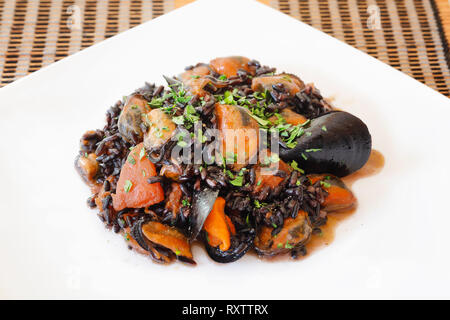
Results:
[133, 190]
[219, 226]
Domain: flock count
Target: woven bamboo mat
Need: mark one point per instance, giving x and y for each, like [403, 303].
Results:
[410, 35]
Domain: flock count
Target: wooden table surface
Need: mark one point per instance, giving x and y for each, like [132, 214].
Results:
[410, 35]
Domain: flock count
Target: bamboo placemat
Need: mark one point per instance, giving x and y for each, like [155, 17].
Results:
[410, 35]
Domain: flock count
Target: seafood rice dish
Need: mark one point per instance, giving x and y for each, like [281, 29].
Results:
[230, 154]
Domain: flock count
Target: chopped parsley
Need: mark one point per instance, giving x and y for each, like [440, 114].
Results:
[325, 184]
[127, 186]
[238, 181]
[131, 160]
[186, 203]
[142, 153]
[294, 166]
[288, 246]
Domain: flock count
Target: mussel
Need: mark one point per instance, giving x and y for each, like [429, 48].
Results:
[284, 83]
[241, 243]
[294, 234]
[202, 203]
[163, 242]
[87, 167]
[225, 242]
[130, 118]
[160, 128]
[338, 143]
[229, 66]
[338, 196]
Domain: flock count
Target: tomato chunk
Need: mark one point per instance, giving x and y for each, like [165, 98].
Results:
[133, 190]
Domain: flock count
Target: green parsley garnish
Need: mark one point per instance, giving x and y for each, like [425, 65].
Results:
[223, 77]
[325, 184]
[304, 157]
[177, 252]
[131, 160]
[324, 128]
[127, 186]
[294, 166]
[312, 150]
[237, 181]
[274, 225]
[142, 153]
[288, 246]
[186, 203]
[195, 76]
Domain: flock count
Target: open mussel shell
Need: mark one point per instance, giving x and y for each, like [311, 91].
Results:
[294, 234]
[241, 243]
[337, 143]
[164, 243]
[202, 204]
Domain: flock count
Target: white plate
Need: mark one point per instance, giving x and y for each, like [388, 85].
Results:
[53, 246]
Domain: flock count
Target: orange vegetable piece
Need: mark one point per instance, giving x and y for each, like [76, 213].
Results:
[229, 66]
[133, 190]
[219, 226]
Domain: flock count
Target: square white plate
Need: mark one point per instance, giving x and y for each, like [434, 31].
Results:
[53, 246]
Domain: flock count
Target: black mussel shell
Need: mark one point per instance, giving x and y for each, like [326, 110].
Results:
[337, 143]
[241, 243]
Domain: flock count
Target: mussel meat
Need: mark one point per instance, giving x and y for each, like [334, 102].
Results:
[338, 196]
[288, 84]
[223, 242]
[338, 143]
[294, 234]
[240, 134]
[160, 128]
[87, 167]
[130, 118]
[229, 66]
[163, 242]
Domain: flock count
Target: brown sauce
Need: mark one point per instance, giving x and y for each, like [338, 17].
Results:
[373, 166]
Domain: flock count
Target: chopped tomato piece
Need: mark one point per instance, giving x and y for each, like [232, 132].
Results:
[133, 190]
